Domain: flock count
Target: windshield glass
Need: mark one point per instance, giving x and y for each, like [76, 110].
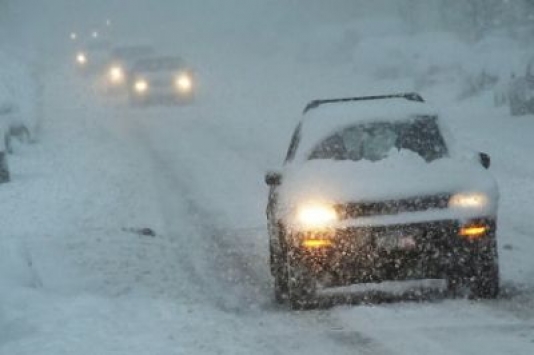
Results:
[375, 141]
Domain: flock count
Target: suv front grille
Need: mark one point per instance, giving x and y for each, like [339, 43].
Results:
[392, 207]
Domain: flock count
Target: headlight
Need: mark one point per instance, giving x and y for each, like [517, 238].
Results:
[81, 59]
[116, 74]
[315, 215]
[184, 83]
[141, 86]
[469, 200]
[73, 36]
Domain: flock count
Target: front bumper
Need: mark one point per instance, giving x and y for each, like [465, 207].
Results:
[355, 255]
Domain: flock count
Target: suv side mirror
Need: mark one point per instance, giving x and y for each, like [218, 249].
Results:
[273, 178]
[485, 160]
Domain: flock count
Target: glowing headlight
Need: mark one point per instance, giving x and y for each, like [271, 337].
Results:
[116, 74]
[81, 59]
[73, 36]
[141, 86]
[469, 200]
[184, 83]
[316, 215]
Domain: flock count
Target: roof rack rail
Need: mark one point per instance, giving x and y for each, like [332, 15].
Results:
[410, 96]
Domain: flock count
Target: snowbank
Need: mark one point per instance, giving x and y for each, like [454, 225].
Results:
[19, 85]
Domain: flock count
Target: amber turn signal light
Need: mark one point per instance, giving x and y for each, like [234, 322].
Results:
[473, 232]
[316, 243]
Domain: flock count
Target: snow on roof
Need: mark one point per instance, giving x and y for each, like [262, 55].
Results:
[321, 122]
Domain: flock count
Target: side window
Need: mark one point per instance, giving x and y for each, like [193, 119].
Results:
[293, 145]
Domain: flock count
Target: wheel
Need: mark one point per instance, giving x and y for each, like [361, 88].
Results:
[518, 100]
[301, 286]
[279, 271]
[485, 281]
[280, 287]
[516, 108]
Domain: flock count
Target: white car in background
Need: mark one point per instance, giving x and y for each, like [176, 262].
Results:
[373, 189]
[161, 80]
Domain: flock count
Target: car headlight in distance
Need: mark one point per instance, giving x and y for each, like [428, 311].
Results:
[184, 83]
[81, 59]
[116, 74]
[316, 215]
[469, 200]
[141, 86]
[73, 36]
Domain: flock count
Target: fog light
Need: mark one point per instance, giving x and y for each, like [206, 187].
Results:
[473, 232]
[184, 83]
[141, 86]
[81, 59]
[116, 75]
[316, 243]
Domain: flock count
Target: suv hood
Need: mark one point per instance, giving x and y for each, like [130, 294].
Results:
[390, 179]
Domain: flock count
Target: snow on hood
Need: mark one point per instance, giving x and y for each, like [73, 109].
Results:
[402, 175]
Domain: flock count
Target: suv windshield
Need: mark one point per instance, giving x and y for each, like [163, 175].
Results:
[374, 141]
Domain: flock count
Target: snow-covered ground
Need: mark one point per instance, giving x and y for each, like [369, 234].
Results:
[78, 275]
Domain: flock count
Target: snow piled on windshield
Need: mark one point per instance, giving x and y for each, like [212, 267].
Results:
[321, 122]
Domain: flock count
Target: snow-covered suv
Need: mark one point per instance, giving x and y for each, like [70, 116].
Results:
[373, 189]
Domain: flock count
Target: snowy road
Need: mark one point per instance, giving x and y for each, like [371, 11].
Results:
[201, 284]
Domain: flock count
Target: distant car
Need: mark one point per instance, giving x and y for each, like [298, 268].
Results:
[120, 63]
[372, 189]
[93, 56]
[161, 80]
[521, 92]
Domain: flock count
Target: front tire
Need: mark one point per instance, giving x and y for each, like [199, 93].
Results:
[485, 283]
[279, 271]
[301, 286]
[517, 108]
[482, 281]
[280, 287]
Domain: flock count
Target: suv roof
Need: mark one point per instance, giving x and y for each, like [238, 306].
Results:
[412, 96]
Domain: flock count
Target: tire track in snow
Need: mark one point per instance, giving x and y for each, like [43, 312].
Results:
[234, 270]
